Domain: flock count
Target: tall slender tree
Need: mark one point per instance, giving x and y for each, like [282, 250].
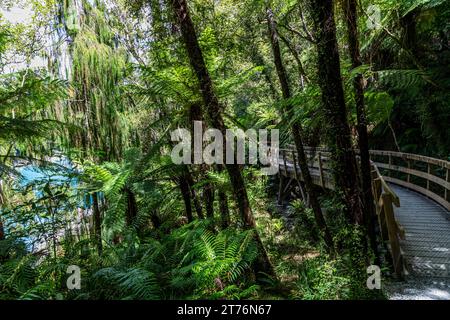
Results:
[330, 80]
[131, 210]
[214, 111]
[296, 129]
[97, 222]
[351, 16]
[196, 114]
[184, 188]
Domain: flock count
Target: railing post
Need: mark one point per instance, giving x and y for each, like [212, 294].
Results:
[321, 170]
[280, 188]
[373, 172]
[297, 178]
[282, 178]
[447, 178]
[383, 224]
[284, 162]
[390, 164]
[376, 189]
[393, 234]
[294, 160]
[429, 172]
[408, 177]
[381, 213]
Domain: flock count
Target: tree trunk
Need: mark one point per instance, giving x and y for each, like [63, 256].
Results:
[350, 10]
[154, 218]
[131, 210]
[197, 204]
[301, 71]
[184, 188]
[296, 131]
[97, 220]
[2, 231]
[409, 33]
[257, 58]
[223, 208]
[185, 183]
[223, 205]
[208, 193]
[214, 111]
[344, 162]
[2, 202]
[195, 114]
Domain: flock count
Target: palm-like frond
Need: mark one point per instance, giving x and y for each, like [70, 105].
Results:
[133, 283]
[27, 91]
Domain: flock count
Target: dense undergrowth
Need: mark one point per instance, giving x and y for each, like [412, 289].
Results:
[196, 261]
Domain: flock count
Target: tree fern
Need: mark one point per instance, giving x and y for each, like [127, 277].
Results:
[401, 79]
[133, 283]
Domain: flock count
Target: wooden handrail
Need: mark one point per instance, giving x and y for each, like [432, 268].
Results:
[441, 196]
[391, 231]
[385, 186]
[443, 181]
[412, 156]
[385, 199]
[433, 171]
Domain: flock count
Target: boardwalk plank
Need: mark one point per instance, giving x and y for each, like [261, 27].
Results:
[427, 234]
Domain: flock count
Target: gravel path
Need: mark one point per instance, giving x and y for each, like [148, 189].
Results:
[419, 289]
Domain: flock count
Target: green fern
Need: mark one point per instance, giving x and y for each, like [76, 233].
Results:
[401, 79]
[133, 283]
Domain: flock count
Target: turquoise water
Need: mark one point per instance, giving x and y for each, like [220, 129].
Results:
[53, 173]
[35, 178]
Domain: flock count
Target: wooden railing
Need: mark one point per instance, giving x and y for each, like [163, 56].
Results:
[319, 164]
[425, 175]
[385, 198]
[390, 230]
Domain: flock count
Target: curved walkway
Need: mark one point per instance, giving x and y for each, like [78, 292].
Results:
[426, 247]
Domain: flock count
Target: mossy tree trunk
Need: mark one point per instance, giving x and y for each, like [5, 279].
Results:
[350, 10]
[330, 80]
[214, 111]
[296, 130]
[97, 221]
[132, 209]
[2, 231]
[184, 188]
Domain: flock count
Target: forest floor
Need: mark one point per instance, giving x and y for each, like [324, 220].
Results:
[288, 251]
[419, 289]
[413, 288]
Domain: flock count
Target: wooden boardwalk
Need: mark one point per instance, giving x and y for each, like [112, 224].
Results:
[426, 247]
[414, 217]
